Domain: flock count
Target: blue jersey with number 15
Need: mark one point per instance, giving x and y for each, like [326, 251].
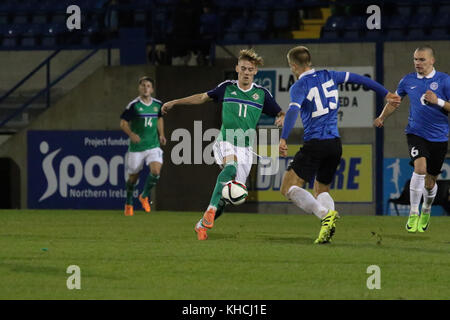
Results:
[316, 94]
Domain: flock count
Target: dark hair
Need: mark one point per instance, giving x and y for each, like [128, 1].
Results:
[145, 78]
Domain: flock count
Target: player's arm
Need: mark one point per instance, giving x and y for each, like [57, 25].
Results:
[160, 126]
[272, 108]
[195, 99]
[125, 119]
[432, 98]
[386, 113]
[390, 107]
[125, 126]
[297, 96]
[344, 77]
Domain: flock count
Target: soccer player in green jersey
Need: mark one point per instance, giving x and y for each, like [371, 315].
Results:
[242, 104]
[143, 123]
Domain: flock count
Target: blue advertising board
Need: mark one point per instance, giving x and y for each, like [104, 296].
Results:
[77, 169]
[397, 171]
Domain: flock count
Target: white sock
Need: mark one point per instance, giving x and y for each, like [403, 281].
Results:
[305, 201]
[326, 200]
[415, 191]
[428, 198]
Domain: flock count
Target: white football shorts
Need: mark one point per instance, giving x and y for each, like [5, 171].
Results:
[135, 160]
[244, 157]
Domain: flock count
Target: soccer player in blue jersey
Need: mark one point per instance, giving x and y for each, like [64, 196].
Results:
[315, 96]
[426, 132]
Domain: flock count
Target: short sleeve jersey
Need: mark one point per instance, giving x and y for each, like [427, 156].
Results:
[241, 110]
[427, 121]
[316, 94]
[143, 120]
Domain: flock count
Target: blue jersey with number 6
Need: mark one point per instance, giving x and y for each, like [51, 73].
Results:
[316, 94]
[428, 121]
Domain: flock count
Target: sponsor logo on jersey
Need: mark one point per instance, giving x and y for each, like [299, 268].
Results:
[434, 85]
[234, 93]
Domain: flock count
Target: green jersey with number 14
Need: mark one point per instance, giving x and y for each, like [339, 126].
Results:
[143, 121]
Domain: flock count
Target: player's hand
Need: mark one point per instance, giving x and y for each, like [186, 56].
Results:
[135, 138]
[393, 99]
[283, 148]
[431, 97]
[279, 121]
[378, 122]
[162, 140]
[167, 106]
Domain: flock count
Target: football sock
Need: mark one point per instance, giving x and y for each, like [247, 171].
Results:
[228, 173]
[428, 198]
[150, 182]
[305, 201]
[130, 191]
[416, 187]
[220, 208]
[326, 200]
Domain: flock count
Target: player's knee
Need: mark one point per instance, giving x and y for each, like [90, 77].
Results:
[132, 178]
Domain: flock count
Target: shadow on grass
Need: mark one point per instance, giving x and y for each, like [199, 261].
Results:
[406, 237]
[50, 270]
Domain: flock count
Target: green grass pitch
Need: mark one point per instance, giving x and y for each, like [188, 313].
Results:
[248, 256]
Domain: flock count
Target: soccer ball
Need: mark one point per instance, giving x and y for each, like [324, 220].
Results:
[234, 192]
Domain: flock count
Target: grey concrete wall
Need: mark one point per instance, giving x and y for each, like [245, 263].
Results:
[15, 65]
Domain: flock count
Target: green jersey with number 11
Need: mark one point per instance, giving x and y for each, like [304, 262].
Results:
[241, 110]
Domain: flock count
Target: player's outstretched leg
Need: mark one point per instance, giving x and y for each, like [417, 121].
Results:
[220, 208]
[428, 198]
[144, 198]
[129, 202]
[228, 173]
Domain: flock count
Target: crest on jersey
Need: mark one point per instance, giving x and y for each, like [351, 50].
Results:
[255, 96]
[434, 85]
[155, 109]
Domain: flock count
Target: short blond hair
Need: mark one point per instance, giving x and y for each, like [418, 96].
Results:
[300, 56]
[252, 56]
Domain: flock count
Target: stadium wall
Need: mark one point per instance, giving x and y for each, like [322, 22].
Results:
[97, 101]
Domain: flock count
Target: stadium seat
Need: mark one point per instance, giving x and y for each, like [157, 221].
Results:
[405, 8]
[353, 27]
[416, 34]
[333, 27]
[10, 35]
[51, 34]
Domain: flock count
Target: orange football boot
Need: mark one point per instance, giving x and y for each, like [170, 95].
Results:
[129, 210]
[201, 232]
[208, 218]
[145, 204]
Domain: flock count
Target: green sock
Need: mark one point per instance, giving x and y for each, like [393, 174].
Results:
[220, 208]
[130, 191]
[149, 184]
[228, 173]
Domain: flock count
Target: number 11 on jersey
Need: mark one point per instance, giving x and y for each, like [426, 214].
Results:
[242, 106]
